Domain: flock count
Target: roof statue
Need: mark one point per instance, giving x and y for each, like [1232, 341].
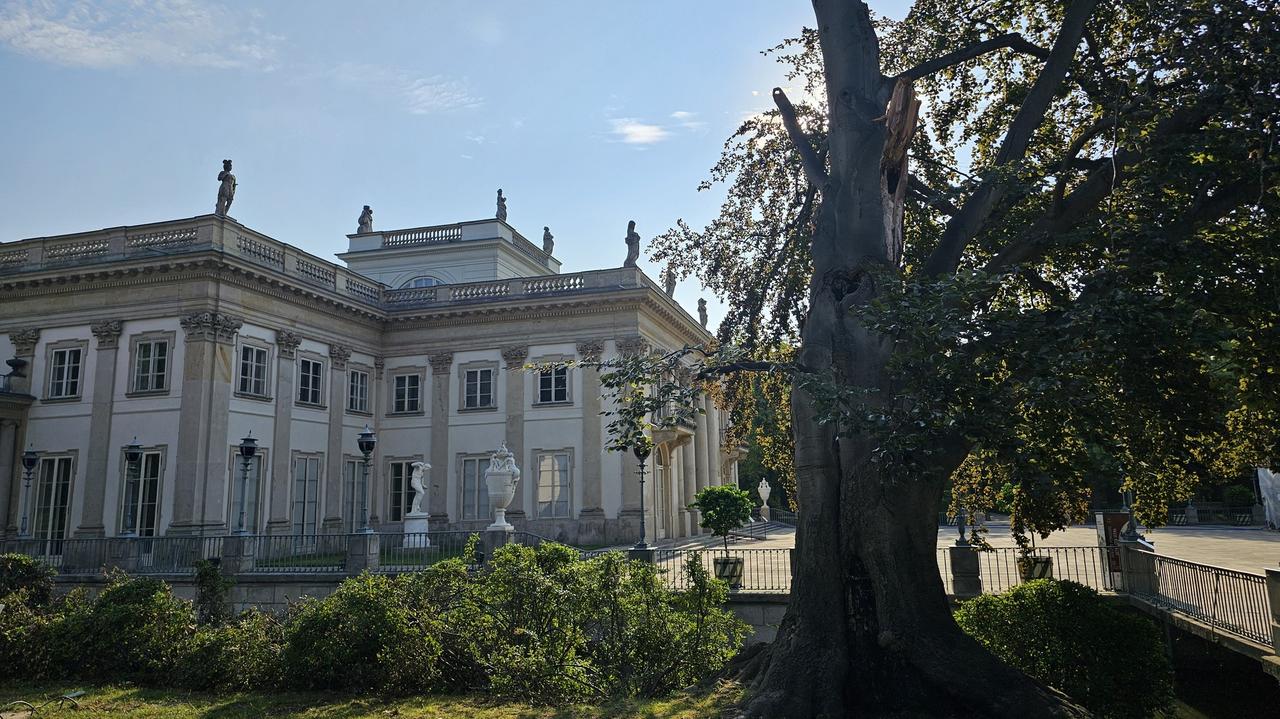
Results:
[226, 190]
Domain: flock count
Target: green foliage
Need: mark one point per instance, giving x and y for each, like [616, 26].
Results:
[723, 508]
[240, 655]
[28, 575]
[1236, 495]
[1067, 636]
[364, 636]
[212, 603]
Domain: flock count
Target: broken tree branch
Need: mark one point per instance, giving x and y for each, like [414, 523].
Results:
[1013, 41]
[813, 169]
[931, 197]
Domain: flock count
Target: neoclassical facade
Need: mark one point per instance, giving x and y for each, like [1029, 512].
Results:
[187, 336]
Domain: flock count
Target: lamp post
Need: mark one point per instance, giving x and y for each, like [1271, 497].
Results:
[248, 449]
[366, 441]
[642, 450]
[29, 459]
[132, 456]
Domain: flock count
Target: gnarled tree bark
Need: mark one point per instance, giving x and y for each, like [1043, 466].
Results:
[869, 631]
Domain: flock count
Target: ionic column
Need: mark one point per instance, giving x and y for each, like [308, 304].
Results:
[715, 476]
[702, 457]
[513, 359]
[93, 515]
[589, 352]
[199, 494]
[338, 356]
[631, 347]
[9, 481]
[279, 520]
[377, 492]
[438, 497]
[688, 480]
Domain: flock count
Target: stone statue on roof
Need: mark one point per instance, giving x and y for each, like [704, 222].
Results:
[633, 245]
[502, 207]
[226, 190]
[548, 240]
[364, 225]
[702, 312]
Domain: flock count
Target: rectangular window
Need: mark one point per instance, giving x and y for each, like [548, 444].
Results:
[553, 385]
[64, 373]
[351, 469]
[553, 485]
[478, 390]
[253, 371]
[475, 496]
[408, 393]
[401, 491]
[141, 489]
[358, 391]
[151, 366]
[252, 490]
[306, 494]
[309, 374]
[52, 498]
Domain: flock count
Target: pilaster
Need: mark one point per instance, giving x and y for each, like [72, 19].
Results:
[278, 519]
[338, 356]
[513, 359]
[437, 497]
[378, 490]
[701, 457]
[9, 481]
[589, 353]
[93, 515]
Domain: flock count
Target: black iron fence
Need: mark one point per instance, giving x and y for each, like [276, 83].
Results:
[746, 570]
[1227, 599]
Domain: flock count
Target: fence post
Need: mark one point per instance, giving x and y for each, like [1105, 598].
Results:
[363, 552]
[1137, 569]
[492, 539]
[966, 574]
[648, 554]
[237, 554]
[1273, 604]
[123, 554]
[1192, 513]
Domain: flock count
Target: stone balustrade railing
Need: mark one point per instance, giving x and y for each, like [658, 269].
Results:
[210, 233]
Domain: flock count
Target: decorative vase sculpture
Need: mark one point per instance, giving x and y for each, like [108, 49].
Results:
[764, 490]
[415, 520]
[501, 478]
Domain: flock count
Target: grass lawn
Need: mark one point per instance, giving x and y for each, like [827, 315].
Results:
[138, 703]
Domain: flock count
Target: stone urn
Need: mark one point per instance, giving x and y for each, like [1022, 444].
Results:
[501, 479]
[764, 490]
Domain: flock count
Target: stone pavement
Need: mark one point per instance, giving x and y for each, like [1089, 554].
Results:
[1248, 549]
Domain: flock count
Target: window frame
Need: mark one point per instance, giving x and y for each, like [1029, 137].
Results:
[122, 498]
[481, 491]
[536, 463]
[320, 381]
[51, 351]
[396, 374]
[352, 371]
[482, 366]
[318, 519]
[405, 490]
[537, 382]
[258, 346]
[54, 546]
[135, 355]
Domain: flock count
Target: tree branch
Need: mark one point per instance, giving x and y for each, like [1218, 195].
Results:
[813, 168]
[1068, 158]
[931, 197]
[1013, 41]
[964, 226]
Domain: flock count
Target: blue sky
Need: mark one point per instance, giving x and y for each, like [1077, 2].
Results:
[587, 114]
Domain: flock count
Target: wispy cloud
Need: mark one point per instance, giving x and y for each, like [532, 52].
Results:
[124, 32]
[420, 95]
[634, 132]
[687, 119]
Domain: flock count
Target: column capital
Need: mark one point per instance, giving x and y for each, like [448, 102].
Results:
[632, 346]
[24, 340]
[379, 364]
[515, 356]
[5, 423]
[287, 342]
[107, 332]
[590, 350]
[211, 327]
[339, 354]
[440, 362]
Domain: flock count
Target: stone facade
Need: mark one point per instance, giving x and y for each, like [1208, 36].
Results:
[192, 334]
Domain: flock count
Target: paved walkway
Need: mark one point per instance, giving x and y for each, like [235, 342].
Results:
[1248, 549]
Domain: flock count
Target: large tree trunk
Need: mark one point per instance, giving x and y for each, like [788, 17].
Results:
[869, 630]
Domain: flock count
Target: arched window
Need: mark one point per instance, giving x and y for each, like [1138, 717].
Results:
[423, 281]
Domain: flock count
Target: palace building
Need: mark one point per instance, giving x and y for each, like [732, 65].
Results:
[187, 336]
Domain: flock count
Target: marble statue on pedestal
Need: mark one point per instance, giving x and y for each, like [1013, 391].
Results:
[764, 490]
[226, 190]
[415, 520]
[633, 245]
[548, 240]
[364, 225]
[502, 207]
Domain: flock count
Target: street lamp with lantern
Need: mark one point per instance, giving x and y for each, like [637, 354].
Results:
[642, 450]
[248, 450]
[132, 457]
[29, 460]
[366, 441]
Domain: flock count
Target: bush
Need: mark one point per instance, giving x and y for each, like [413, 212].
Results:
[723, 508]
[364, 636]
[1238, 496]
[241, 655]
[28, 575]
[1065, 635]
[212, 602]
[22, 649]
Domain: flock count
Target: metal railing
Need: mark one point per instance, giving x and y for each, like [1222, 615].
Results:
[174, 555]
[1001, 570]
[782, 516]
[298, 553]
[1227, 599]
[135, 555]
[412, 551]
[763, 570]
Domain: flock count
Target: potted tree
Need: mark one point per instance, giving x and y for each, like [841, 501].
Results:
[724, 509]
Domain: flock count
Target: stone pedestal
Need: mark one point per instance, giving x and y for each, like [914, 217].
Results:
[123, 554]
[1273, 605]
[237, 554]
[362, 553]
[415, 530]
[643, 555]
[492, 539]
[966, 576]
[1192, 514]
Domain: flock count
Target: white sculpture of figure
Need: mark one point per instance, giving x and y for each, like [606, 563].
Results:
[415, 520]
[764, 490]
[501, 479]
[1269, 484]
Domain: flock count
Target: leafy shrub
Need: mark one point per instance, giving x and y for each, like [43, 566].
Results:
[1068, 637]
[23, 651]
[134, 629]
[32, 577]
[364, 636]
[723, 508]
[1236, 495]
[212, 589]
[240, 655]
